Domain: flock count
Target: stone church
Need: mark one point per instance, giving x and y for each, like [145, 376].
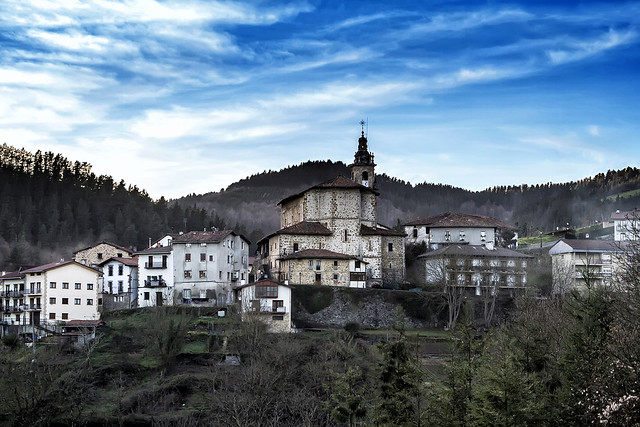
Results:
[330, 234]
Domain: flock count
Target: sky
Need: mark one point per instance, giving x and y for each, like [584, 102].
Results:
[188, 96]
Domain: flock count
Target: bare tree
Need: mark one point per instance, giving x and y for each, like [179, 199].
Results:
[441, 274]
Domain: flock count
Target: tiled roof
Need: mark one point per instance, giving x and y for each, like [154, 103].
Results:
[202, 236]
[474, 251]
[306, 227]
[317, 254]
[594, 245]
[337, 182]
[12, 275]
[155, 250]
[379, 231]
[454, 219]
[52, 265]
[132, 262]
[263, 281]
[635, 214]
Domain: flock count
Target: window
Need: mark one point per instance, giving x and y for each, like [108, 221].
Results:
[228, 259]
[89, 301]
[357, 264]
[65, 285]
[99, 301]
[415, 232]
[52, 285]
[242, 244]
[318, 264]
[266, 291]
[89, 286]
[310, 264]
[65, 300]
[318, 278]
[228, 275]
[120, 270]
[146, 296]
[390, 247]
[110, 285]
[120, 286]
[52, 300]
[111, 270]
[65, 316]
[78, 286]
[186, 294]
[462, 235]
[119, 254]
[277, 304]
[99, 255]
[187, 274]
[211, 258]
[346, 235]
[187, 257]
[335, 263]
[219, 274]
[76, 301]
[52, 316]
[203, 274]
[203, 257]
[335, 277]
[447, 236]
[295, 247]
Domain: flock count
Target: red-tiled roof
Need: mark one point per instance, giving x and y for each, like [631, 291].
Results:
[337, 182]
[155, 250]
[379, 231]
[262, 282]
[52, 265]
[202, 236]
[306, 227]
[12, 275]
[635, 214]
[131, 262]
[587, 245]
[454, 219]
[318, 254]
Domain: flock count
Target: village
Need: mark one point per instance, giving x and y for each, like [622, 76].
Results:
[329, 236]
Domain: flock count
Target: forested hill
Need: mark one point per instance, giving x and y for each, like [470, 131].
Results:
[251, 203]
[50, 207]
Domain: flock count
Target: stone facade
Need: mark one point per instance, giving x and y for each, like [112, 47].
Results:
[337, 216]
[94, 255]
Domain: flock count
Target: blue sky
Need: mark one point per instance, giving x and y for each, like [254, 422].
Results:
[181, 97]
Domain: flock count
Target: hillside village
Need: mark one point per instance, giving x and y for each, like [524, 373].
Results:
[329, 236]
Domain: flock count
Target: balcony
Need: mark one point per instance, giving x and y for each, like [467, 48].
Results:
[270, 310]
[31, 307]
[154, 265]
[11, 294]
[158, 283]
[33, 291]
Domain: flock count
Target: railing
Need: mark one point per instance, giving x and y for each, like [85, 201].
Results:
[33, 291]
[11, 294]
[155, 265]
[155, 283]
[270, 310]
[33, 307]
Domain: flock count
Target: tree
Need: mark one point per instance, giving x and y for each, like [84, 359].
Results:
[440, 275]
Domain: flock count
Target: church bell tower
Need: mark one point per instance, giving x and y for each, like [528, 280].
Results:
[362, 168]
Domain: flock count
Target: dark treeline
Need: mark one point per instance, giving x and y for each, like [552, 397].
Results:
[251, 202]
[52, 207]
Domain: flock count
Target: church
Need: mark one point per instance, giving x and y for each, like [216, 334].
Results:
[330, 235]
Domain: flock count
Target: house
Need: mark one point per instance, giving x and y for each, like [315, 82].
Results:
[332, 227]
[476, 267]
[120, 285]
[208, 265]
[577, 263]
[268, 301]
[96, 254]
[155, 273]
[455, 228]
[14, 299]
[626, 225]
[68, 290]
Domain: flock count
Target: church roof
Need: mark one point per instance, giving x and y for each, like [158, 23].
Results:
[379, 231]
[337, 182]
[317, 254]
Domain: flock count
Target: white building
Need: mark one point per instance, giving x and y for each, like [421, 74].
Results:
[208, 265]
[14, 300]
[120, 287]
[267, 301]
[69, 291]
[155, 277]
[455, 228]
[626, 225]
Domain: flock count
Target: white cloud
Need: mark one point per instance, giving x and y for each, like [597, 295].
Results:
[593, 130]
[578, 50]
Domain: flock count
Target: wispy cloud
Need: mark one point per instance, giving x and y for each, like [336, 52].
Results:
[578, 50]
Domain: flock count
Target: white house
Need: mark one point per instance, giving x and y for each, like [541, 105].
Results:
[626, 225]
[208, 265]
[268, 301]
[120, 287]
[455, 228]
[19, 306]
[69, 291]
[576, 261]
[155, 273]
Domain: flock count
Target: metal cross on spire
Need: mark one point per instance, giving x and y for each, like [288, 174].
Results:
[362, 123]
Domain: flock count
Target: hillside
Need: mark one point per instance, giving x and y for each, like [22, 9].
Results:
[251, 203]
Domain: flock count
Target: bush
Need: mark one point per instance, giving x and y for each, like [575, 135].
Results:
[10, 340]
